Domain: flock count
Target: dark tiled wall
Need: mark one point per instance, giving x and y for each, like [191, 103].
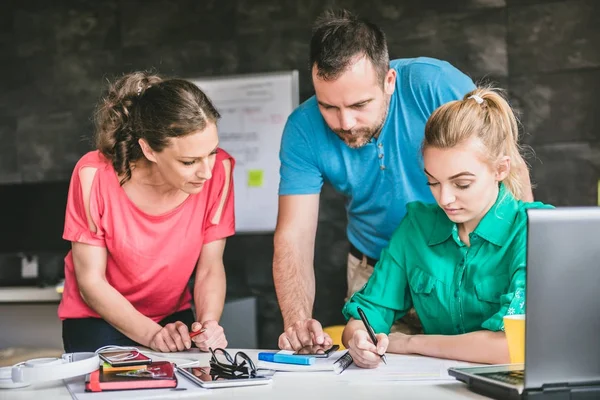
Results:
[55, 57]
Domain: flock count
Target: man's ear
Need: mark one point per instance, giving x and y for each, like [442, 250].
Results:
[147, 150]
[389, 84]
[503, 168]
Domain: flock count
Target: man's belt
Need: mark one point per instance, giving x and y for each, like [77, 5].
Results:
[358, 254]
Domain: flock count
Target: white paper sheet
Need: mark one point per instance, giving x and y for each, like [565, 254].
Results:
[404, 368]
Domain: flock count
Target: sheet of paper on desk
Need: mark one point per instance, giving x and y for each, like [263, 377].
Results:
[404, 368]
[185, 388]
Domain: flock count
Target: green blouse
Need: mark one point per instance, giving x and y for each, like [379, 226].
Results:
[454, 288]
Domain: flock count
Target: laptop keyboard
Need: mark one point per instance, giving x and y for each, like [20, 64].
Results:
[512, 377]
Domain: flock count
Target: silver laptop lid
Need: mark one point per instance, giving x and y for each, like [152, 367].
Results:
[563, 307]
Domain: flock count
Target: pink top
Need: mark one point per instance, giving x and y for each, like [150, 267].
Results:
[150, 257]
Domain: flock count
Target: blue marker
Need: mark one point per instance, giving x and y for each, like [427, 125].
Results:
[286, 358]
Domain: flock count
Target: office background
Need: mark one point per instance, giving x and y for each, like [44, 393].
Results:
[55, 57]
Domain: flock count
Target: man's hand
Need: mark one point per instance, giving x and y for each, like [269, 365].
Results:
[304, 333]
[364, 353]
[172, 337]
[213, 336]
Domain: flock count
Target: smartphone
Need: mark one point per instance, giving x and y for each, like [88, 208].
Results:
[202, 377]
[123, 358]
[317, 350]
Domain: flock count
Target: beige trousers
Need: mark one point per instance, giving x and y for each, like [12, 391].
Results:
[357, 274]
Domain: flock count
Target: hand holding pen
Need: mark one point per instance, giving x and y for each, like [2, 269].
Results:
[208, 334]
[367, 348]
[370, 330]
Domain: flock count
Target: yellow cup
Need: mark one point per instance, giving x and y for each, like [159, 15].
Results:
[514, 327]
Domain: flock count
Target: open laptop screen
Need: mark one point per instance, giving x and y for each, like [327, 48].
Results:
[563, 310]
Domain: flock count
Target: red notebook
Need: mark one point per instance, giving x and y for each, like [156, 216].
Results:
[160, 374]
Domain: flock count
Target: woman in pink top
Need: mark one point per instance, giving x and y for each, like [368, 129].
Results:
[145, 212]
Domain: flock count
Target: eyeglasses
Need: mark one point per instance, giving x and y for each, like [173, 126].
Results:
[238, 366]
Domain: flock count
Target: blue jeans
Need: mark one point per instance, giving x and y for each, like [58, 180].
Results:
[89, 334]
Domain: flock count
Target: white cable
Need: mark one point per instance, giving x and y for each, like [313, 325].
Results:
[189, 362]
[131, 352]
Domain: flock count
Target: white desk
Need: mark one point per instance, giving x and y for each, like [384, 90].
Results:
[29, 294]
[28, 316]
[288, 386]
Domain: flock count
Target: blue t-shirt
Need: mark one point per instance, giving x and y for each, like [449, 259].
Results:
[379, 178]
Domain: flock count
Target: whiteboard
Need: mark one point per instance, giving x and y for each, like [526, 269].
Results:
[254, 109]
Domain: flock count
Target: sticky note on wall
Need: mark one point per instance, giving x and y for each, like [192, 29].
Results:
[255, 178]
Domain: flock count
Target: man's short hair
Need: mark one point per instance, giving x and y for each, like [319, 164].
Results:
[339, 38]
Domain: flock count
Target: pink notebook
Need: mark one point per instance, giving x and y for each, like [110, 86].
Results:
[159, 374]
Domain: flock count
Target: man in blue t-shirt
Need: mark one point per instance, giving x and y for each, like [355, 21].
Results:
[362, 133]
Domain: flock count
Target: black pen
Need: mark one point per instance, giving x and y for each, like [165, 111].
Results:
[369, 330]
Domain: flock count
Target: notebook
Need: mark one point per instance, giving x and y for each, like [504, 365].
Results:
[159, 374]
[320, 364]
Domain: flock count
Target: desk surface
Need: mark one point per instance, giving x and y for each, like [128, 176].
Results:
[29, 294]
[290, 386]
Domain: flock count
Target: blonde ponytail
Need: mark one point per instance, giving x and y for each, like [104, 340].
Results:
[486, 114]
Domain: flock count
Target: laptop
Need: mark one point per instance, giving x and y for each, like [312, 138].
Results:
[562, 339]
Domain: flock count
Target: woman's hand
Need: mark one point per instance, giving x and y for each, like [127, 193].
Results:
[172, 337]
[364, 353]
[213, 335]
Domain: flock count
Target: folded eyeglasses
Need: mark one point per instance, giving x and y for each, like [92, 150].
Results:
[236, 367]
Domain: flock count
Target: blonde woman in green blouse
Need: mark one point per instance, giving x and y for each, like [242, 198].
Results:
[460, 262]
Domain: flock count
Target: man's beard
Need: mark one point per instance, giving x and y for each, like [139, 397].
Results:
[357, 138]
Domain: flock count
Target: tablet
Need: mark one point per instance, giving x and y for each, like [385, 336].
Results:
[202, 377]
